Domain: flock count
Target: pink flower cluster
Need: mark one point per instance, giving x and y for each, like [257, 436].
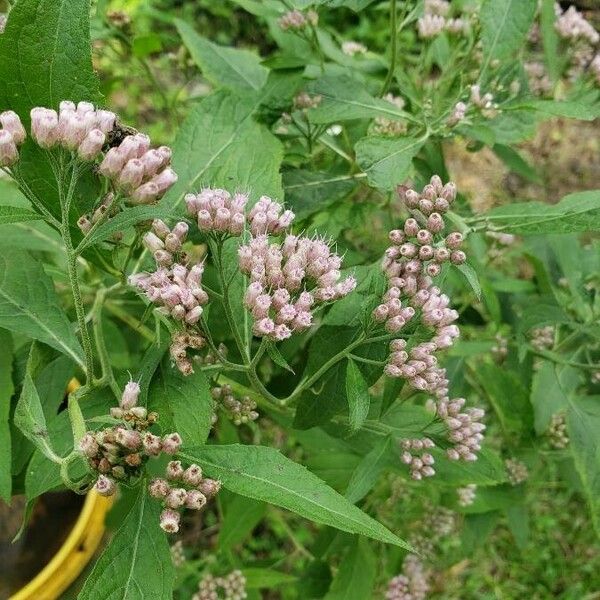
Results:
[466, 495]
[229, 587]
[287, 279]
[118, 453]
[412, 584]
[465, 429]
[572, 25]
[239, 411]
[420, 466]
[12, 135]
[181, 342]
[175, 287]
[216, 210]
[78, 128]
[141, 173]
[297, 20]
[266, 217]
[182, 488]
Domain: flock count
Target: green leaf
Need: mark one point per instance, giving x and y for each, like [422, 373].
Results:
[123, 220]
[386, 161]
[184, 404]
[266, 578]
[488, 469]
[584, 111]
[222, 146]
[504, 27]
[278, 358]
[46, 57]
[355, 578]
[6, 392]
[470, 275]
[550, 38]
[29, 304]
[11, 214]
[227, 67]
[578, 212]
[516, 163]
[583, 423]
[136, 565]
[368, 470]
[308, 192]
[265, 474]
[345, 99]
[359, 399]
[242, 515]
[29, 418]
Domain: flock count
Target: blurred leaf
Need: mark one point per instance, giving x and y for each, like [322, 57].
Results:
[386, 161]
[136, 564]
[583, 423]
[257, 578]
[472, 278]
[550, 39]
[359, 399]
[264, 474]
[355, 578]
[10, 214]
[344, 98]
[145, 45]
[227, 67]
[29, 304]
[518, 523]
[368, 470]
[516, 163]
[314, 581]
[504, 27]
[212, 149]
[6, 392]
[242, 515]
[583, 111]
[488, 469]
[575, 212]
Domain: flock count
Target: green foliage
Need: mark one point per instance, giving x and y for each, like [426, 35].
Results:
[6, 392]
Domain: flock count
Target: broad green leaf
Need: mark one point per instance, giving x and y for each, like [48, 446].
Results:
[572, 109]
[257, 578]
[29, 418]
[220, 145]
[150, 361]
[488, 469]
[265, 474]
[308, 192]
[123, 220]
[359, 399]
[472, 278]
[227, 67]
[355, 578]
[345, 99]
[578, 212]
[518, 523]
[516, 163]
[583, 423]
[11, 214]
[368, 470]
[29, 304]
[387, 161]
[136, 564]
[184, 404]
[504, 27]
[6, 392]
[46, 58]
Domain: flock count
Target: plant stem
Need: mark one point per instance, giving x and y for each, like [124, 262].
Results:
[129, 320]
[105, 366]
[394, 41]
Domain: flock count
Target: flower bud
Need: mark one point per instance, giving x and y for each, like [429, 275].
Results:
[174, 470]
[193, 474]
[130, 395]
[92, 145]
[152, 444]
[105, 486]
[195, 500]
[169, 520]
[44, 127]
[171, 443]
[12, 123]
[132, 174]
[112, 164]
[88, 445]
[176, 497]
[159, 488]
[209, 487]
[9, 154]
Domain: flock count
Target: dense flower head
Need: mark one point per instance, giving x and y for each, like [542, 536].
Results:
[296, 20]
[351, 48]
[228, 587]
[466, 495]
[557, 431]
[572, 25]
[216, 210]
[418, 252]
[542, 338]
[12, 135]
[287, 279]
[118, 453]
[180, 489]
[516, 470]
[419, 460]
[390, 126]
[242, 410]
[412, 584]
